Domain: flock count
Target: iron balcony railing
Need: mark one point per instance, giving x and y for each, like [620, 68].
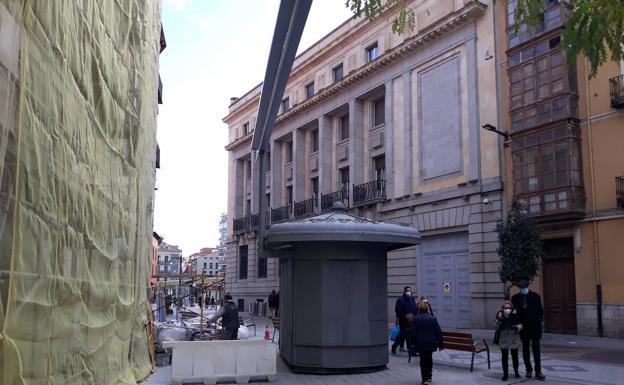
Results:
[305, 207]
[616, 86]
[280, 214]
[369, 192]
[241, 225]
[619, 191]
[328, 200]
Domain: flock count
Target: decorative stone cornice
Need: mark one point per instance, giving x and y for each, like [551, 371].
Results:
[239, 142]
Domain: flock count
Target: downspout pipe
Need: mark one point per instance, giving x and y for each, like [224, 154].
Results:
[592, 181]
[500, 123]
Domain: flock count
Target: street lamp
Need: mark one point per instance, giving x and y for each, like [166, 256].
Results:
[504, 134]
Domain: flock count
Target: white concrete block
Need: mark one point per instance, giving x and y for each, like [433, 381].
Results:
[211, 361]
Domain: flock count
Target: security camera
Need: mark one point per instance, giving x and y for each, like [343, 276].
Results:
[486, 201]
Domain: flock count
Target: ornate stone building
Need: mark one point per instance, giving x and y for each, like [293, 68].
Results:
[390, 125]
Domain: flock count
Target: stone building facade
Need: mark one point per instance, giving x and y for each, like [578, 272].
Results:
[390, 125]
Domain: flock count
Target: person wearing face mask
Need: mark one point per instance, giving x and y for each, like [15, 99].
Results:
[404, 305]
[528, 304]
[508, 327]
[425, 300]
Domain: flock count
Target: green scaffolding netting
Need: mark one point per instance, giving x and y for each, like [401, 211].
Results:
[78, 93]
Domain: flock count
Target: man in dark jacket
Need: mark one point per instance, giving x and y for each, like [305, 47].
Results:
[426, 339]
[531, 313]
[228, 313]
[273, 300]
[404, 305]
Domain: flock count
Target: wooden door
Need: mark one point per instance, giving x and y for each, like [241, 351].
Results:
[559, 295]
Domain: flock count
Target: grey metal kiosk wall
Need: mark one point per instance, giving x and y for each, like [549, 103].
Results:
[333, 290]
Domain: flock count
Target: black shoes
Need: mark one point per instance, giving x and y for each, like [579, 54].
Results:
[517, 374]
[540, 376]
[529, 374]
[393, 350]
[504, 377]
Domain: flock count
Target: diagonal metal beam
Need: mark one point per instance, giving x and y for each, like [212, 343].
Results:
[291, 19]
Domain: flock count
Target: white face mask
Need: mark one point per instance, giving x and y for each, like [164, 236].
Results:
[408, 293]
[507, 311]
[425, 300]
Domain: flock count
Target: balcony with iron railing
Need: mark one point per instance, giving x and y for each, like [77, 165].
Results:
[305, 207]
[369, 192]
[241, 225]
[328, 200]
[616, 87]
[280, 214]
[619, 191]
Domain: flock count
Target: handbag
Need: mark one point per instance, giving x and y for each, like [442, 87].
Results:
[394, 333]
[496, 339]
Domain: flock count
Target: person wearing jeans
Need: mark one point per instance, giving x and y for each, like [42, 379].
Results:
[528, 304]
[404, 305]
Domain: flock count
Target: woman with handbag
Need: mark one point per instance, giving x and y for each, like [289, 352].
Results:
[507, 337]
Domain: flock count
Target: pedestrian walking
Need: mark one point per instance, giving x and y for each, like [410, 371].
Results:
[426, 338]
[273, 304]
[213, 303]
[425, 300]
[507, 337]
[528, 304]
[405, 305]
[228, 313]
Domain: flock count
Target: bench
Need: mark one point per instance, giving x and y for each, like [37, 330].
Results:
[465, 343]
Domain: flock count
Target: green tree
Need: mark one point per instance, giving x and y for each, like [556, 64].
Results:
[519, 247]
[595, 28]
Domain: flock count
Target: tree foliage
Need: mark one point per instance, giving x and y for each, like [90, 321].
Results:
[595, 28]
[519, 247]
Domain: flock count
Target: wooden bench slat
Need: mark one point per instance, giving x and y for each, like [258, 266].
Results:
[458, 340]
[462, 347]
[457, 334]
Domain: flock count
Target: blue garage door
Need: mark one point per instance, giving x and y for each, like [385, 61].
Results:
[444, 277]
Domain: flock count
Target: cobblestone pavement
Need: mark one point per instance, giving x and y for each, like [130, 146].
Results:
[566, 360]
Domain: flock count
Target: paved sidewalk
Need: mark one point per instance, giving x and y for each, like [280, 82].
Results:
[565, 360]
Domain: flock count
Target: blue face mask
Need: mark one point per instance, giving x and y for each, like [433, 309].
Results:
[524, 290]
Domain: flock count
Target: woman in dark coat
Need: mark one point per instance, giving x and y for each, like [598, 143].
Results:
[508, 326]
[426, 339]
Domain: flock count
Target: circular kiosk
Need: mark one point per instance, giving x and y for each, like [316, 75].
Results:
[333, 290]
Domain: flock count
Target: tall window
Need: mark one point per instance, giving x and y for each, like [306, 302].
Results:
[248, 169]
[314, 187]
[379, 112]
[338, 72]
[262, 267]
[343, 130]
[314, 138]
[380, 167]
[289, 152]
[289, 195]
[344, 178]
[248, 207]
[268, 161]
[372, 52]
[309, 90]
[205, 265]
[268, 199]
[285, 104]
[242, 262]
[210, 265]
[246, 128]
